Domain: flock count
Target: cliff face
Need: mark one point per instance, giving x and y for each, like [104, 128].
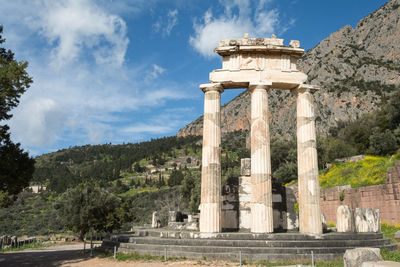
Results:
[353, 67]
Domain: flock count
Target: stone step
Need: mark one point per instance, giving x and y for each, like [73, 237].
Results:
[259, 243]
[250, 250]
[251, 236]
[271, 247]
[234, 254]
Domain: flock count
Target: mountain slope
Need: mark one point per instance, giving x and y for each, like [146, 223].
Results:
[354, 68]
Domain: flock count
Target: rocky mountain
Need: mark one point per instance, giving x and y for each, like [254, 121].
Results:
[353, 67]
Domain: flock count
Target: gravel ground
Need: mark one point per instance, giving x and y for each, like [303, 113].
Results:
[72, 255]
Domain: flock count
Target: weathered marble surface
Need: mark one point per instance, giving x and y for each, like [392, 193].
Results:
[367, 220]
[210, 207]
[155, 221]
[307, 163]
[345, 219]
[355, 257]
[261, 206]
[259, 64]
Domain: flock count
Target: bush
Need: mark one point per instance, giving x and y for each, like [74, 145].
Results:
[88, 207]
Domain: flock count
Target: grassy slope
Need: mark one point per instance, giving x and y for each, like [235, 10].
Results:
[369, 171]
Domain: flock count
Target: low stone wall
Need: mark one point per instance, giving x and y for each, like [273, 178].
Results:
[236, 202]
[385, 197]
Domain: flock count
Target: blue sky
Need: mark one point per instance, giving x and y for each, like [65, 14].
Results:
[112, 71]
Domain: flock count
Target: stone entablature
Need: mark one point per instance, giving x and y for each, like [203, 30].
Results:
[251, 60]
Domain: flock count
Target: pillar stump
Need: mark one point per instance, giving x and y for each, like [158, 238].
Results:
[307, 163]
[210, 206]
[261, 206]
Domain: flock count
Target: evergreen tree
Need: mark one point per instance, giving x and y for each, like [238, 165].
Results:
[16, 167]
[175, 178]
[88, 208]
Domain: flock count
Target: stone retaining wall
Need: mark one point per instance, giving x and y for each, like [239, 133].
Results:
[385, 197]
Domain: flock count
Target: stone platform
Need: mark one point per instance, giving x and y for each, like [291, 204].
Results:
[254, 247]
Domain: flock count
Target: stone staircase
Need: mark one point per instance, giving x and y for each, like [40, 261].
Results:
[253, 247]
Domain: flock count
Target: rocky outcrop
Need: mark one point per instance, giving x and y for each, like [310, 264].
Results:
[354, 68]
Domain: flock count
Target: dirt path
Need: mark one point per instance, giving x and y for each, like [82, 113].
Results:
[72, 256]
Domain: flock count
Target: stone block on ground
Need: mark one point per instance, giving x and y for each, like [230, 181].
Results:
[245, 167]
[367, 220]
[323, 220]
[176, 216]
[345, 219]
[176, 225]
[380, 264]
[14, 241]
[155, 222]
[355, 257]
[397, 235]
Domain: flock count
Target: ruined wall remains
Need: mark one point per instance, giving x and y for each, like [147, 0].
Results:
[236, 203]
[385, 197]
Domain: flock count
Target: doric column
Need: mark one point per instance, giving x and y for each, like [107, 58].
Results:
[307, 163]
[261, 206]
[210, 207]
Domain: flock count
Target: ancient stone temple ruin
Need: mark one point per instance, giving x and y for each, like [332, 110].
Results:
[260, 65]
[251, 202]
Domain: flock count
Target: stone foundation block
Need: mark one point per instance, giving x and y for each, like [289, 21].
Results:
[380, 264]
[367, 220]
[323, 220]
[345, 219]
[245, 167]
[155, 221]
[397, 235]
[356, 257]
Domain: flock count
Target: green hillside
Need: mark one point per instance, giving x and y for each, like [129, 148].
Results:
[369, 171]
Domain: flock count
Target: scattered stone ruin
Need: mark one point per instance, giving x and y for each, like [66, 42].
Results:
[13, 241]
[260, 65]
[236, 204]
[360, 220]
[385, 197]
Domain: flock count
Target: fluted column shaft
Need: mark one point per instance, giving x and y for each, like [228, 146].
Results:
[210, 207]
[261, 206]
[307, 161]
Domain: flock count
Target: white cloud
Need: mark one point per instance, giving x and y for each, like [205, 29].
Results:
[147, 128]
[172, 21]
[77, 26]
[239, 17]
[77, 97]
[39, 121]
[84, 109]
[155, 72]
[166, 24]
[164, 123]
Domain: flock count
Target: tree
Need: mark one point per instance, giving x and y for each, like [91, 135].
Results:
[284, 160]
[175, 178]
[137, 168]
[382, 143]
[332, 149]
[392, 109]
[88, 208]
[16, 167]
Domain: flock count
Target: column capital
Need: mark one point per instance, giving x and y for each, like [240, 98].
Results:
[303, 88]
[211, 87]
[266, 85]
